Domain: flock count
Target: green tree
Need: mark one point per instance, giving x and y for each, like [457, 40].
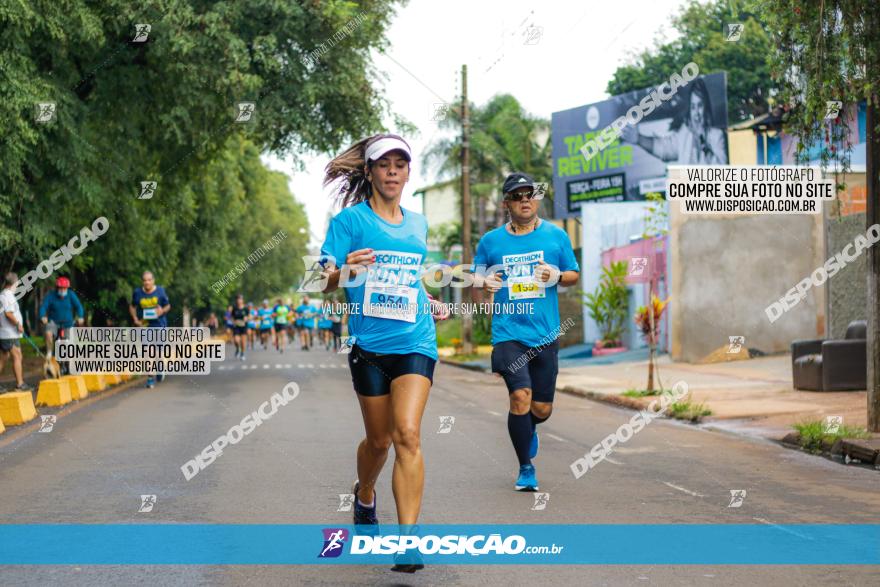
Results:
[702, 39]
[828, 53]
[164, 110]
[504, 138]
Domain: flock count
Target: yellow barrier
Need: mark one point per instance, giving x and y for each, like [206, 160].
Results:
[126, 376]
[95, 381]
[17, 407]
[112, 378]
[53, 392]
[78, 387]
[2, 427]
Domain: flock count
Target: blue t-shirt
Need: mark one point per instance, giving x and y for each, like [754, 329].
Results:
[392, 315]
[266, 321]
[305, 315]
[516, 258]
[146, 304]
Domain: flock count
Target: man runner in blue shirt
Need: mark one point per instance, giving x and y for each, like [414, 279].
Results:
[526, 258]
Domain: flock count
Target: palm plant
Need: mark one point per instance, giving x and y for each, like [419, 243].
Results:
[607, 305]
[648, 321]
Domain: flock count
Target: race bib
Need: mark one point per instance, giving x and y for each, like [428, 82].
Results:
[523, 288]
[391, 289]
[521, 282]
[151, 313]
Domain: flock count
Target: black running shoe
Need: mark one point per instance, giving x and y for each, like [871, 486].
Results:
[364, 516]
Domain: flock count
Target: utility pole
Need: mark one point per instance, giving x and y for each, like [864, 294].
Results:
[872, 217]
[466, 256]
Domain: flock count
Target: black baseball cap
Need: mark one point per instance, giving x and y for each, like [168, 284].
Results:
[517, 180]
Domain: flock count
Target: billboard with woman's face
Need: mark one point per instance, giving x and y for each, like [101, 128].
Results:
[688, 127]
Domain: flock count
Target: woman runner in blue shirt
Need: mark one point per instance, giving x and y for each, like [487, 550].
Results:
[374, 250]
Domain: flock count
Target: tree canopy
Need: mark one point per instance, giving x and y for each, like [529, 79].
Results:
[703, 40]
[161, 103]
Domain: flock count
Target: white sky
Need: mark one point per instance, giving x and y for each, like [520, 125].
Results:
[581, 43]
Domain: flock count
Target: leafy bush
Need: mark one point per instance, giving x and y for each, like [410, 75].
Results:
[608, 304]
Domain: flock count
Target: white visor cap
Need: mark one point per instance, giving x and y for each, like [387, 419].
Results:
[386, 144]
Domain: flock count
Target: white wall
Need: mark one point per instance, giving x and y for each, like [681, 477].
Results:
[629, 216]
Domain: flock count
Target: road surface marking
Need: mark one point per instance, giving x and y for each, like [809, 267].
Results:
[300, 365]
[287, 365]
[560, 439]
[493, 413]
[769, 523]
[310, 366]
[265, 365]
[612, 461]
[688, 491]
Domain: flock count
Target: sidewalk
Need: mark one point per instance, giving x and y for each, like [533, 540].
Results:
[753, 397]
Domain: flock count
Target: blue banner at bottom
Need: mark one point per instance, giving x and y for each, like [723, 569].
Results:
[568, 544]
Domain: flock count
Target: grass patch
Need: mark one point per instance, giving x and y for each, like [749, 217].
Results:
[688, 410]
[814, 435]
[641, 393]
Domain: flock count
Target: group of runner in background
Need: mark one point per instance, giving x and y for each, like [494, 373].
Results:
[313, 323]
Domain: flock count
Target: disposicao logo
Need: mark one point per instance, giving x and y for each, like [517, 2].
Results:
[334, 539]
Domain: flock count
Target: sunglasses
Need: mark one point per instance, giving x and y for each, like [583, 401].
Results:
[530, 195]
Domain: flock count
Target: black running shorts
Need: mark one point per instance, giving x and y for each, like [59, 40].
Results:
[239, 330]
[373, 373]
[525, 367]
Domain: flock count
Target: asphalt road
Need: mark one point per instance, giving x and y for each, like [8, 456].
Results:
[97, 462]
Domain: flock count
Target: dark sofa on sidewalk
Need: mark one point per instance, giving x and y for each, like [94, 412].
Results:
[832, 365]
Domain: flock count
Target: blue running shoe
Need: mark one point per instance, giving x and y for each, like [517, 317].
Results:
[526, 480]
[364, 516]
[533, 446]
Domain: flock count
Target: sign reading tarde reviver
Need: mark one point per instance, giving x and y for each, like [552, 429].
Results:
[681, 121]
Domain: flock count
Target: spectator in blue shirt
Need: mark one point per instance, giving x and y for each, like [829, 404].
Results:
[59, 309]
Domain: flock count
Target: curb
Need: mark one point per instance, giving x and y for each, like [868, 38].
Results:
[469, 367]
[862, 451]
[614, 400]
[859, 451]
[26, 429]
